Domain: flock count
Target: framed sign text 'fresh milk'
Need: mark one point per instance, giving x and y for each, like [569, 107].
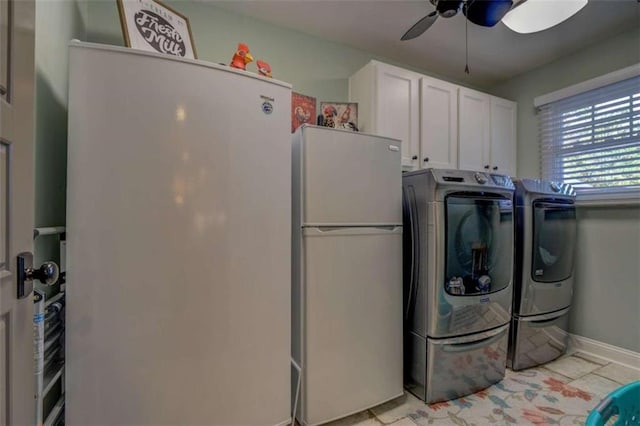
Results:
[153, 26]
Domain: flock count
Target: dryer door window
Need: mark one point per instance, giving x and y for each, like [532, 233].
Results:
[554, 236]
[479, 243]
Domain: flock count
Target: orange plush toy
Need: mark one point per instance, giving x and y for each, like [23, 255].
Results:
[264, 68]
[242, 57]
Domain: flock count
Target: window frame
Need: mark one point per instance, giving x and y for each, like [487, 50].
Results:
[605, 196]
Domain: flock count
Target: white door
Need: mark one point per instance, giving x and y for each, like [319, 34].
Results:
[17, 404]
[397, 110]
[503, 136]
[438, 124]
[474, 133]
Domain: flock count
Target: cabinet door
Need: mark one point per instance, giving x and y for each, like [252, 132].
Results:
[503, 136]
[397, 110]
[473, 128]
[438, 124]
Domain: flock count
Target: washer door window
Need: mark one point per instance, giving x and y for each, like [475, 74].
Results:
[479, 243]
[554, 235]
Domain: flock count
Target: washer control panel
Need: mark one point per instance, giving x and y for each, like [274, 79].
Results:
[473, 178]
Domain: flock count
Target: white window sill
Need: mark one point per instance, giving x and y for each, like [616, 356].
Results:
[616, 199]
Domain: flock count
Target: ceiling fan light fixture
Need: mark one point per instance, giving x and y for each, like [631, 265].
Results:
[538, 15]
[487, 13]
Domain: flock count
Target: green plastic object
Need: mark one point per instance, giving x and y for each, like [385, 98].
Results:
[623, 402]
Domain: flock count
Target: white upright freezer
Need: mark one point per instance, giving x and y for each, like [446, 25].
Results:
[347, 272]
[179, 242]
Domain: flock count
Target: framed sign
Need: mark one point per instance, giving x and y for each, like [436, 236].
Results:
[340, 115]
[153, 26]
[303, 110]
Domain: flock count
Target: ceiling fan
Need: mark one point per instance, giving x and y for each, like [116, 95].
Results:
[486, 13]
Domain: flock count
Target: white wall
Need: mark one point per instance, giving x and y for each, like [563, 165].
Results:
[606, 303]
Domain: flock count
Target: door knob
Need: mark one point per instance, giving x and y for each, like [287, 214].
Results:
[426, 159]
[415, 157]
[495, 167]
[47, 274]
[486, 166]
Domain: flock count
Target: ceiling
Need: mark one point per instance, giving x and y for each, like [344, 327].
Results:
[495, 54]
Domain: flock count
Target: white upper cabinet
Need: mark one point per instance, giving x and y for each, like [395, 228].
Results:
[503, 136]
[438, 124]
[388, 103]
[487, 139]
[474, 132]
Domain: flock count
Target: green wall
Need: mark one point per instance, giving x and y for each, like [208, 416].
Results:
[606, 303]
[57, 22]
[601, 58]
[314, 67]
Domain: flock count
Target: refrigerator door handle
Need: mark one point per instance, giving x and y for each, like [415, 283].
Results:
[352, 230]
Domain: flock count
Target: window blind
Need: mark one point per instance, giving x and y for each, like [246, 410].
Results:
[592, 140]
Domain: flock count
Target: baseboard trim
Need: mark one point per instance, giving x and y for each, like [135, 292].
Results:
[605, 351]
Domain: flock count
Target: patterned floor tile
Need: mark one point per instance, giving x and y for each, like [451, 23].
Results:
[572, 367]
[618, 373]
[554, 374]
[403, 422]
[597, 385]
[398, 408]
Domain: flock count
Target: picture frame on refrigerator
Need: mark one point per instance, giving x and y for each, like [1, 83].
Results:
[156, 27]
[340, 115]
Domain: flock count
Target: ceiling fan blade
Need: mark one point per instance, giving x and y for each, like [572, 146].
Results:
[421, 26]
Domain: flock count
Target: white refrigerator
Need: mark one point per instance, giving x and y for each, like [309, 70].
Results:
[179, 242]
[347, 273]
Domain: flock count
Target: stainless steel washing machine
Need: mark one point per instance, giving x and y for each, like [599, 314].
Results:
[545, 229]
[458, 271]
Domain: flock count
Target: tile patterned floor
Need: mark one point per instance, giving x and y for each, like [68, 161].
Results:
[559, 393]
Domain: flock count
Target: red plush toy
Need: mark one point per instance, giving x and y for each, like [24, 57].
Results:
[264, 68]
[242, 57]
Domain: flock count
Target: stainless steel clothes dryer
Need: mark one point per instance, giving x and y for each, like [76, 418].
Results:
[545, 229]
[458, 266]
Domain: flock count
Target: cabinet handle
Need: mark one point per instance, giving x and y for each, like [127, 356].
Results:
[486, 166]
[426, 159]
[495, 167]
[415, 157]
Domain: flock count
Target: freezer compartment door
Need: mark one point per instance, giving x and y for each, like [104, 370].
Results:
[350, 178]
[464, 365]
[352, 355]
[539, 339]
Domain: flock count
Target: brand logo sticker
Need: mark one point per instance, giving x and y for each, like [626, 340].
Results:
[267, 107]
